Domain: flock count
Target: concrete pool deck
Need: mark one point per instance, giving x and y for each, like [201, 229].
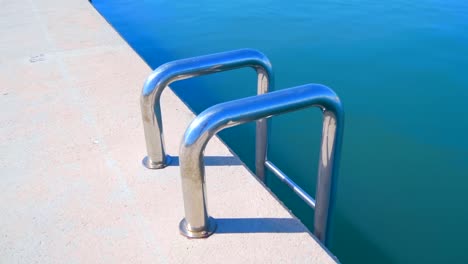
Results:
[73, 188]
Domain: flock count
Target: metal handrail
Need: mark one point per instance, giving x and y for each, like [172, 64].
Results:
[197, 223]
[193, 67]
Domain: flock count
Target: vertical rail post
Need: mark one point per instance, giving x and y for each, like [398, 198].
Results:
[261, 131]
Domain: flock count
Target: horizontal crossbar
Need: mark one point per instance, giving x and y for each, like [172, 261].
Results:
[294, 187]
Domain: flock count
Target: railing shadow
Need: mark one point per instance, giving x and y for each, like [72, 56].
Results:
[211, 161]
[259, 225]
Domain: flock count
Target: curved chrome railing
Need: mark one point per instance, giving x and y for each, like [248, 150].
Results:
[192, 67]
[197, 223]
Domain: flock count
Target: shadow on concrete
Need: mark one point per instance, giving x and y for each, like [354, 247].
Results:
[211, 161]
[258, 225]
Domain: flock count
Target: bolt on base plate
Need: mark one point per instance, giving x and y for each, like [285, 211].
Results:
[211, 228]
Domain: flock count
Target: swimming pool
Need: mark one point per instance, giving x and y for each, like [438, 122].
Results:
[399, 68]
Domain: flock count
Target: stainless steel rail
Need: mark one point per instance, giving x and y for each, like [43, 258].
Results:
[296, 188]
[197, 223]
[193, 67]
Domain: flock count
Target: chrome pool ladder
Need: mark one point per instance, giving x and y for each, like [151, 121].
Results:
[197, 223]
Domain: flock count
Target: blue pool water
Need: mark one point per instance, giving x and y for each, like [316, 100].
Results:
[401, 69]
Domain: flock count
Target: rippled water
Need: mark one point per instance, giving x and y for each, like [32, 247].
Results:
[401, 69]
